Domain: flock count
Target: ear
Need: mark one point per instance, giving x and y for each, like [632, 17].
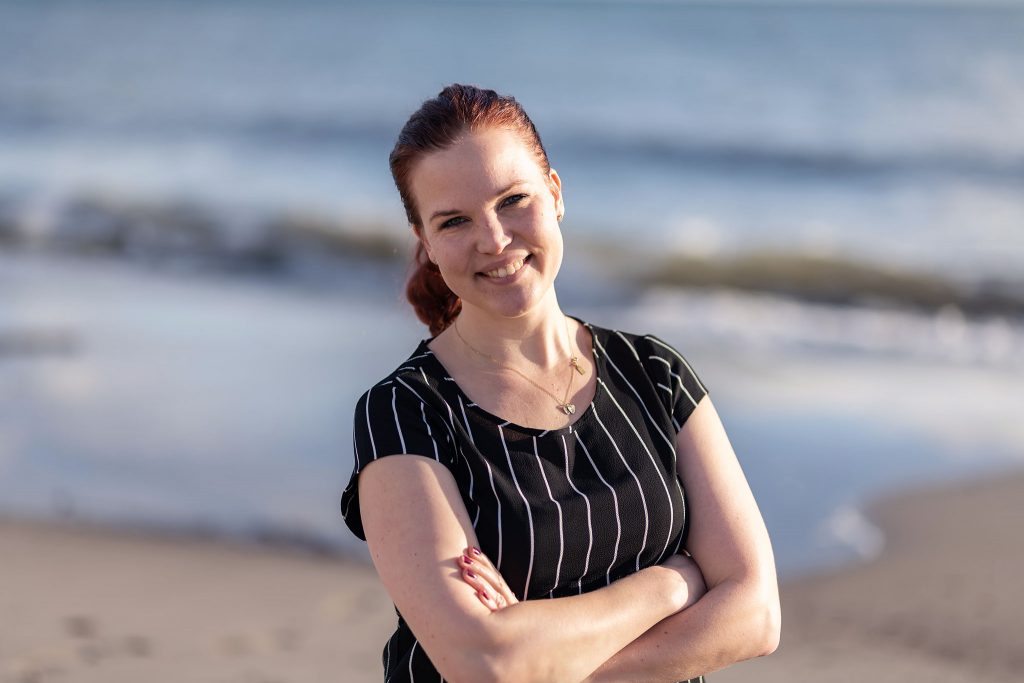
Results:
[555, 184]
[418, 231]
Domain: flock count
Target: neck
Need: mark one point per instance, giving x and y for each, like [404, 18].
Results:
[537, 338]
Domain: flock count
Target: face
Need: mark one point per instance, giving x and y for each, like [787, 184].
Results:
[488, 216]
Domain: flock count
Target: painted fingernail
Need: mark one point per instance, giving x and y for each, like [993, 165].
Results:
[471, 574]
[467, 560]
[476, 551]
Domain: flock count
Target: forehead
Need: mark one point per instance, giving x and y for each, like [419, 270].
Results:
[477, 165]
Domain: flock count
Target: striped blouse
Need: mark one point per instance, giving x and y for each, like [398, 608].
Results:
[559, 511]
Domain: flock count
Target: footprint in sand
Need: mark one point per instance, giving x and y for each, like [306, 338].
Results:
[234, 645]
[94, 652]
[137, 646]
[286, 639]
[92, 649]
[42, 666]
[81, 626]
[281, 639]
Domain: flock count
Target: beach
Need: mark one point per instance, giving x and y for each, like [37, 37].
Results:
[84, 603]
[942, 603]
[202, 267]
[205, 544]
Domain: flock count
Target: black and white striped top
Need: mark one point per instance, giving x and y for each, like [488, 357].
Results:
[559, 511]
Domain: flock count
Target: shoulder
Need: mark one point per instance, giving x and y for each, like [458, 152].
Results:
[415, 377]
[404, 414]
[647, 358]
[642, 347]
[405, 409]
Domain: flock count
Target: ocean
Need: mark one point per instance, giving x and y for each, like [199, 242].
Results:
[199, 235]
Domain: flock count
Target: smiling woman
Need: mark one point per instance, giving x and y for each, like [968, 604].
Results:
[543, 498]
[504, 231]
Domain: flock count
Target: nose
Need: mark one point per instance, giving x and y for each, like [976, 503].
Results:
[492, 238]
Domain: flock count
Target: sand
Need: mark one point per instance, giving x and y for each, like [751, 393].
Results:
[87, 605]
[944, 602]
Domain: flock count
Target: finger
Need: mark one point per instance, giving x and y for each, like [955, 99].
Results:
[476, 555]
[478, 581]
[488, 601]
[493, 578]
[484, 591]
[477, 560]
[487, 587]
[486, 569]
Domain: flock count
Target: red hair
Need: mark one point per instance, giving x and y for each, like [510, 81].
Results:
[436, 125]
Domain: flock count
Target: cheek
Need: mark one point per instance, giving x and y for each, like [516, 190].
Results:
[539, 220]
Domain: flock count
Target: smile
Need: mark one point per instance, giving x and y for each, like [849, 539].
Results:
[509, 270]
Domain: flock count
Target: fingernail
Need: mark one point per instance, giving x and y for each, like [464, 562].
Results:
[476, 551]
[467, 560]
[471, 574]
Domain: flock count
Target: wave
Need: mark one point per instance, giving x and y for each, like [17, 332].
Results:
[180, 231]
[317, 131]
[231, 239]
[849, 527]
[761, 158]
[754, 322]
[835, 280]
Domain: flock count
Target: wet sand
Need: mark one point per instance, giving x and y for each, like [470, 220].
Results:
[944, 602]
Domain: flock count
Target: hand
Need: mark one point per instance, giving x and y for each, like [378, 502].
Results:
[690, 581]
[490, 586]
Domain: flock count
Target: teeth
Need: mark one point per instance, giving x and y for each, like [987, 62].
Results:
[506, 271]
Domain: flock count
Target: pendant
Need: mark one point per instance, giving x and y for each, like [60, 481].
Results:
[575, 362]
[568, 408]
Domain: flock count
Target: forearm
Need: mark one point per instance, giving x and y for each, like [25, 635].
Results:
[565, 639]
[731, 622]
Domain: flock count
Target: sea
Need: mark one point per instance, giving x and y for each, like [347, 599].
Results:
[202, 251]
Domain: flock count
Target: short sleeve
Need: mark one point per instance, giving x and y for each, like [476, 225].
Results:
[678, 385]
[391, 418]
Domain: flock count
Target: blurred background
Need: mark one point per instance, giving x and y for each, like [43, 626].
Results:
[202, 252]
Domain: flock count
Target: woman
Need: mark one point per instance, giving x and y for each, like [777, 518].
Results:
[544, 499]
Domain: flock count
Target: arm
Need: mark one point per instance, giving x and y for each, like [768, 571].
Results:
[739, 617]
[417, 526]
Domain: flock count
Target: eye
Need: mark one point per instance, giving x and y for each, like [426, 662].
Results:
[514, 199]
[451, 222]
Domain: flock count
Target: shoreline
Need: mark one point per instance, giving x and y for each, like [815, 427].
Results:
[941, 602]
[90, 603]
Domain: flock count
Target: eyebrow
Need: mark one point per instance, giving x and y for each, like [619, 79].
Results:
[453, 212]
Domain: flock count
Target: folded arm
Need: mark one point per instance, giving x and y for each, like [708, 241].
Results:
[417, 527]
[739, 616]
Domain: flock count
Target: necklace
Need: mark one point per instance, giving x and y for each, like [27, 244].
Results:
[574, 364]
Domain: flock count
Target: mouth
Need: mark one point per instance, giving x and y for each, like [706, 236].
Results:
[508, 271]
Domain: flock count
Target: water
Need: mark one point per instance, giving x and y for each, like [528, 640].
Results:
[136, 386]
[893, 133]
[225, 404]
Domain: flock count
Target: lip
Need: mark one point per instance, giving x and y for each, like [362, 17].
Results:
[504, 263]
[508, 278]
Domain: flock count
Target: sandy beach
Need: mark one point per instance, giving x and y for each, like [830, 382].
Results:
[85, 604]
[942, 603]
[203, 260]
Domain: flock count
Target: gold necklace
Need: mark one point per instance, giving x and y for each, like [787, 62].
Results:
[574, 363]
